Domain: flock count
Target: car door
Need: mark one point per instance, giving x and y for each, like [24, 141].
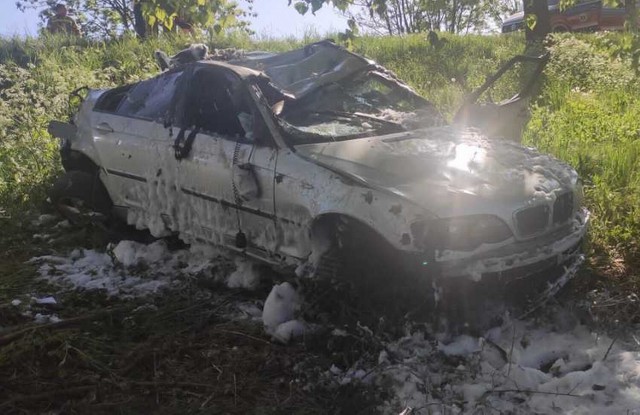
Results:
[258, 209]
[507, 117]
[225, 175]
[130, 138]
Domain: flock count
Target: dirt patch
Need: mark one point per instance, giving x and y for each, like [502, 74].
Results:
[197, 343]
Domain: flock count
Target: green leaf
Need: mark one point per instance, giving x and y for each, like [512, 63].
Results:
[565, 4]
[161, 14]
[316, 5]
[342, 5]
[379, 7]
[531, 20]
[301, 7]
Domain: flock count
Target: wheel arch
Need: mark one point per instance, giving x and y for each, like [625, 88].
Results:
[363, 244]
[83, 186]
[329, 225]
[76, 160]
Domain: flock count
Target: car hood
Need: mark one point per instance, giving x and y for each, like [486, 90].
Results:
[448, 170]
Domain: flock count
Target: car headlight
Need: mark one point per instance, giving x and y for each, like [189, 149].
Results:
[464, 233]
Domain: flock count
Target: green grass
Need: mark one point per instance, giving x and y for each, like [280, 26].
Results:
[445, 74]
[585, 114]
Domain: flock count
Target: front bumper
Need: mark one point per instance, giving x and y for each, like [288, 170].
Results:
[520, 255]
[524, 274]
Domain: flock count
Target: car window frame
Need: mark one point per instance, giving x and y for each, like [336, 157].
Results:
[378, 73]
[109, 92]
[182, 97]
[132, 87]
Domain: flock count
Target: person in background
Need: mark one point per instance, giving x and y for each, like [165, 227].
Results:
[183, 25]
[61, 23]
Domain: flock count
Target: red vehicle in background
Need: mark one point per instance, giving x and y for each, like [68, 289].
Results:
[586, 15]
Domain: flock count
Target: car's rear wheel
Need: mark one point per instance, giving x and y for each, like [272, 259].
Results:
[81, 197]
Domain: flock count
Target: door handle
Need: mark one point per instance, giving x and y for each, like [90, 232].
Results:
[104, 128]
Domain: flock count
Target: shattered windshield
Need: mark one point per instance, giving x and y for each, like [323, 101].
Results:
[366, 104]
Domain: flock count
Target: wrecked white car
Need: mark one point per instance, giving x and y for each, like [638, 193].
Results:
[318, 159]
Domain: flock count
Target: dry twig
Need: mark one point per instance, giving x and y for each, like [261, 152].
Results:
[16, 334]
[78, 390]
[533, 392]
[609, 349]
[513, 340]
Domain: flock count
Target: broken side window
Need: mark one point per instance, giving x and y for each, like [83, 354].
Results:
[111, 99]
[214, 104]
[150, 99]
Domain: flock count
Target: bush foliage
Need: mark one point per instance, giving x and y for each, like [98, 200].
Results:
[587, 115]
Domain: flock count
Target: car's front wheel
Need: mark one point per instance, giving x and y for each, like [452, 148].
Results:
[81, 197]
[382, 283]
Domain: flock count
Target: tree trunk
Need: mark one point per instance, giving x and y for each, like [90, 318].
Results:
[389, 27]
[458, 27]
[454, 14]
[139, 24]
[404, 16]
[411, 17]
[632, 16]
[542, 18]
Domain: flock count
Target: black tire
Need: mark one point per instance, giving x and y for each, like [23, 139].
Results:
[78, 195]
[384, 283]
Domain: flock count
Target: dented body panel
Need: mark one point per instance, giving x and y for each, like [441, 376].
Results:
[451, 171]
[260, 178]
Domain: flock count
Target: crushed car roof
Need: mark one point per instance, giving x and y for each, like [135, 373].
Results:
[302, 70]
[241, 71]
